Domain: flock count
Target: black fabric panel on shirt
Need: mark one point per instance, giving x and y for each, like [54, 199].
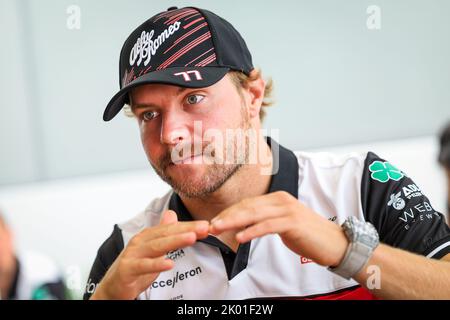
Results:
[285, 179]
[228, 259]
[106, 255]
[400, 212]
[12, 294]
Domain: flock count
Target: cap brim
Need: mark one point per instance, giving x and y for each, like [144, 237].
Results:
[177, 76]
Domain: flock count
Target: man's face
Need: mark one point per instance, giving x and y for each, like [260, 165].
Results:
[173, 122]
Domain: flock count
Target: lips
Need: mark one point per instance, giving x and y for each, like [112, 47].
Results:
[188, 160]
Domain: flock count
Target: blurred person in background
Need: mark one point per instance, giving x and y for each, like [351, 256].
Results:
[28, 276]
[444, 160]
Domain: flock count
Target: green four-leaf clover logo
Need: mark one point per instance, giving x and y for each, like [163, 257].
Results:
[383, 171]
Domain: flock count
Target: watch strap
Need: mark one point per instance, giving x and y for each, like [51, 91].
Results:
[356, 257]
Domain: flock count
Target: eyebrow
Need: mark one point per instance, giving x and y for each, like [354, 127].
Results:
[143, 105]
[151, 105]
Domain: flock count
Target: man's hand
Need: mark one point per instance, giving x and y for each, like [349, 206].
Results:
[144, 258]
[301, 229]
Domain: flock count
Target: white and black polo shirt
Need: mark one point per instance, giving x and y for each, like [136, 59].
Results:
[335, 187]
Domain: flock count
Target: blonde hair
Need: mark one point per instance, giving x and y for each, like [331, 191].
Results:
[241, 80]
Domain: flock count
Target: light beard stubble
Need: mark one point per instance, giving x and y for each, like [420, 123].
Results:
[216, 174]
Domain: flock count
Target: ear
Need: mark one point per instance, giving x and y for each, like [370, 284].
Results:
[255, 91]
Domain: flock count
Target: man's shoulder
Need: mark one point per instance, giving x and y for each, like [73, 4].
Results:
[332, 166]
[332, 169]
[125, 230]
[330, 160]
[147, 218]
[121, 234]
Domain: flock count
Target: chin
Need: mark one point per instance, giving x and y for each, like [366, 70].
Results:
[186, 171]
[192, 188]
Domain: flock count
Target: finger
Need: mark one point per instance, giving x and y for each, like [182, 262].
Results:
[270, 226]
[169, 217]
[160, 246]
[200, 228]
[251, 206]
[240, 217]
[151, 265]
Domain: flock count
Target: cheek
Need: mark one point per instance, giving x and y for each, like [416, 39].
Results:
[150, 142]
[228, 114]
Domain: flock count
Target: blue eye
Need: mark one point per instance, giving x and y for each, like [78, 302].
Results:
[194, 98]
[149, 115]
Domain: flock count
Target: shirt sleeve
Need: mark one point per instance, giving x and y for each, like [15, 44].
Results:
[402, 214]
[106, 255]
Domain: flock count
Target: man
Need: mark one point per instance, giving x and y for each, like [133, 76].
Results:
[266, 223]
[444, 160]
[27, 276]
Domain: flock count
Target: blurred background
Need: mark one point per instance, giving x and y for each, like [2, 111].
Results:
[349, 75]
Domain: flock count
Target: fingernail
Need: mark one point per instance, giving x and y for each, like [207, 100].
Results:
[217, 223]
[240, 236]
[203, 227]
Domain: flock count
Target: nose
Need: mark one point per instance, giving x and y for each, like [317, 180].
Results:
[174, 128]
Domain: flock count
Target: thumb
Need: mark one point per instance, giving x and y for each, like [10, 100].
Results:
[168, 217]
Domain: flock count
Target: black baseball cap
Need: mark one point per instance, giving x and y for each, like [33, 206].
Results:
[187, 47]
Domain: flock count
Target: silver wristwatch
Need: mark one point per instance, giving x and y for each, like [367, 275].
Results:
[363, 238]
